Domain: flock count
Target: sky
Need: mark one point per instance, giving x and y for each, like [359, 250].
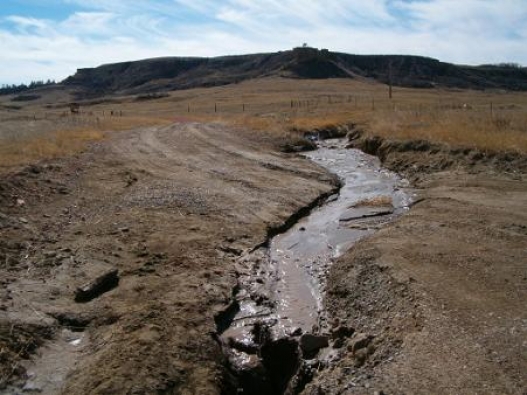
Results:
[50, 39]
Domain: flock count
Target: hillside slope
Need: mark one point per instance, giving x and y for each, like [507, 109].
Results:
[173, 73]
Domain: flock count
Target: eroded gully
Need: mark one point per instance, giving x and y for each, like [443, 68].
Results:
[277, 325]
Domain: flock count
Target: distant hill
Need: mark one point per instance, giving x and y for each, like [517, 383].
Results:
[171, 73]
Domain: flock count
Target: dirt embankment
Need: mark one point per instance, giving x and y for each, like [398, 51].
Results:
[168, 208]
[437, 299]
[415, 157]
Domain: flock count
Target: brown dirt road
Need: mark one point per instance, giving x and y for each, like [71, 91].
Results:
[170, 208]
[439, 296]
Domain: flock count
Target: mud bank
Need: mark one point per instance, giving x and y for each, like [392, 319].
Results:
[436, 295]
[276, 329]
[417, 157]
[169, 208]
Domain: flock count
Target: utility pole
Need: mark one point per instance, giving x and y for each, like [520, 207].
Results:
[390, 80]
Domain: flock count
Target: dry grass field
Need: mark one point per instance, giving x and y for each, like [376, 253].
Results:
[495, 121]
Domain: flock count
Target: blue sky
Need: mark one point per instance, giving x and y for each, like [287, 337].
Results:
[41, 39]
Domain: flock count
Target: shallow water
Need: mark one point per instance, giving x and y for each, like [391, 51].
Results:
[303, 255]
[283, 286]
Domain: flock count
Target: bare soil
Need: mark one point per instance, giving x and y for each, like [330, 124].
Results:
[170, 208]
[440, 294]
[436, 299]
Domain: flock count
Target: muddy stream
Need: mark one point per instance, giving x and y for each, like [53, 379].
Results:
[276, 329]
[277, 321]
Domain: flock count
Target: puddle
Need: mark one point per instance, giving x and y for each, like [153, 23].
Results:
[282, 286]
[54, 362]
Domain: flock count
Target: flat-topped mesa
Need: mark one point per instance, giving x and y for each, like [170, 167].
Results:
[172, 73]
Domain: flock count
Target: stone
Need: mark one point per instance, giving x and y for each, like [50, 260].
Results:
[310, 343]
[296, 331]
[50, 254]
[360, 357]
[359, 341]
[338, 343]
[31, 386]
[341, 332]
[103, 283]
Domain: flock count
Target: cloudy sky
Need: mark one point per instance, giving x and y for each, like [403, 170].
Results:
[41, 39]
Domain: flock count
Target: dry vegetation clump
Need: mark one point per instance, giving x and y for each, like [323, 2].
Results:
[377, 201]
[17, 342]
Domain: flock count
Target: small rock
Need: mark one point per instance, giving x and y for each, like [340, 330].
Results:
[50, 254]
[23, 220]
[338, 343]
[359, 341]
[32, 387]
[360, 357]
[35, 169]
[341, 332]
[98, 286]
[20, 202]
[296, 331]
[310, 343]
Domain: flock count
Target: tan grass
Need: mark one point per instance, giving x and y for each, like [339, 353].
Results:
[469, 128]
[281, 107]
[377, 201]
[51, 145]
[62, 142]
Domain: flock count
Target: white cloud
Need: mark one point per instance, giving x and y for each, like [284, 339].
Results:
[89, 23]
[101, 31]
